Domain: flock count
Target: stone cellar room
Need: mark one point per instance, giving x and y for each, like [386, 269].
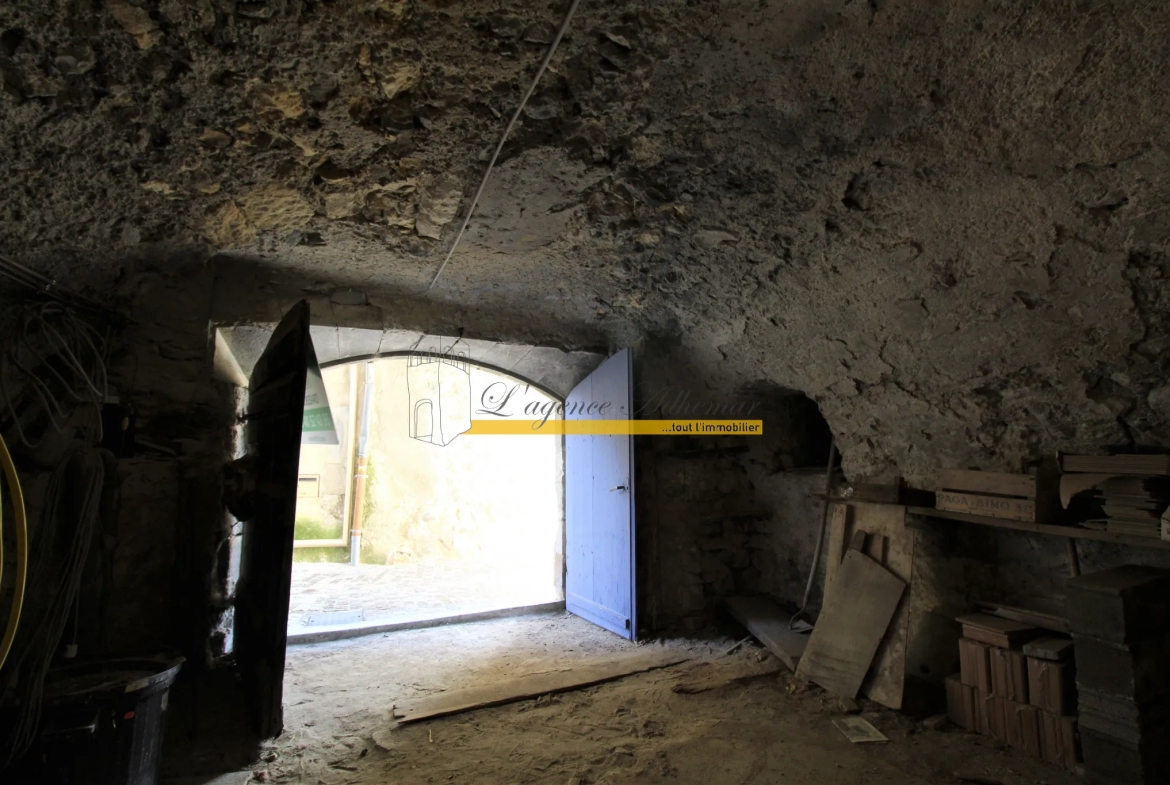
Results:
[584, 392]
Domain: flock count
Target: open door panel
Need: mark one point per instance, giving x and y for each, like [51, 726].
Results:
[276, 401]
[599, 502]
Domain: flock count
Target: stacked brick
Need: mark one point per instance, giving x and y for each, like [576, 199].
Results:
[1016, 687]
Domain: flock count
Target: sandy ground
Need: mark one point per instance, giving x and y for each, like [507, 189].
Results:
[760, 729]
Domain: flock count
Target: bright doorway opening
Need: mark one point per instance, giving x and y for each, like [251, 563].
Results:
[409, 518]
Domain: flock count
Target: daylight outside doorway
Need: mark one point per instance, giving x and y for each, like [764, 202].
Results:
[448, 523]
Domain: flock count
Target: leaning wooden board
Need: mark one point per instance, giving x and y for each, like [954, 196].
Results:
[895, 552]
[857, 612]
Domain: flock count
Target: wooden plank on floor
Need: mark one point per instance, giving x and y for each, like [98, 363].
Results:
[852, 624]
[512, 690]
[769, 624]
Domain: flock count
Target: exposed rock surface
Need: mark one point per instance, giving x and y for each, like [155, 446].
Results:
[946, 223]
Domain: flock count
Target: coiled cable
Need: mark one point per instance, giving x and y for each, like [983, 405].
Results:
[21, 522]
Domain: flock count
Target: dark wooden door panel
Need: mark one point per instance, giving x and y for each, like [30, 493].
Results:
[276, 399]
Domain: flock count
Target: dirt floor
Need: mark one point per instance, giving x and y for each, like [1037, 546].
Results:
[648, 728]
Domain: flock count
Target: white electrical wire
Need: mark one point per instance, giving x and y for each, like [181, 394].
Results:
[499, 147]
[52, 335]
[48, 287]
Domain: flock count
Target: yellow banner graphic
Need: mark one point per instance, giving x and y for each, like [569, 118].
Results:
[617, 427]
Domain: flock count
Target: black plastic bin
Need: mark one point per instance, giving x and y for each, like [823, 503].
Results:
[102, 722]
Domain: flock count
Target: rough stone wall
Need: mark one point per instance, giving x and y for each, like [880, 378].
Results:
[792, 536]
[716, 520]
[917, 201]
[169, 560]
[151, 585]
[694, 537]
[722, 516]
[714, 529]
[944, 222]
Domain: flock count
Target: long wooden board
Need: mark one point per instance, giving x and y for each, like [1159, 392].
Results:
[1075, 532]
[535, 685]
[1050, 617]
[1117, 464]
[764, 619]
[999, 483]
[857, 612]
[891, 544]
[996, 631]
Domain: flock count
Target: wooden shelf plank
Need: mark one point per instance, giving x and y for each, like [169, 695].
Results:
[1020, 526]
[1040, 528]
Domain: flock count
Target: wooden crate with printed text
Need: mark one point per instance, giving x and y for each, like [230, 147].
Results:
[1018, 497]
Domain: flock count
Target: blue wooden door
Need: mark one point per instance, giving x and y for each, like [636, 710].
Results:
[599, 502]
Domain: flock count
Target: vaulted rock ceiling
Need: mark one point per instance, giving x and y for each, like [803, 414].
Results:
[945, 222]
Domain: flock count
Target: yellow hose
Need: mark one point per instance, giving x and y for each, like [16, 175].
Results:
[21, 550]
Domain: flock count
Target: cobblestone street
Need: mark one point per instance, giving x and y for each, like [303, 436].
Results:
[326, 593]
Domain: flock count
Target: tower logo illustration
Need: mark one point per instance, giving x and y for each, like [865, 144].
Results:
[439, 391]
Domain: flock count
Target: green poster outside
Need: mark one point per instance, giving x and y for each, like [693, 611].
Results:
[317, 427]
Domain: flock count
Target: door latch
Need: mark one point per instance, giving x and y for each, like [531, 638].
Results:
[619, 488]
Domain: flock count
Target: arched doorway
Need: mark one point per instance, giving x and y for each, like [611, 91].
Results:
[449, 522]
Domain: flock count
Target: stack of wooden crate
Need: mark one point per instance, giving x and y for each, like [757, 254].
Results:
[1016, 687]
